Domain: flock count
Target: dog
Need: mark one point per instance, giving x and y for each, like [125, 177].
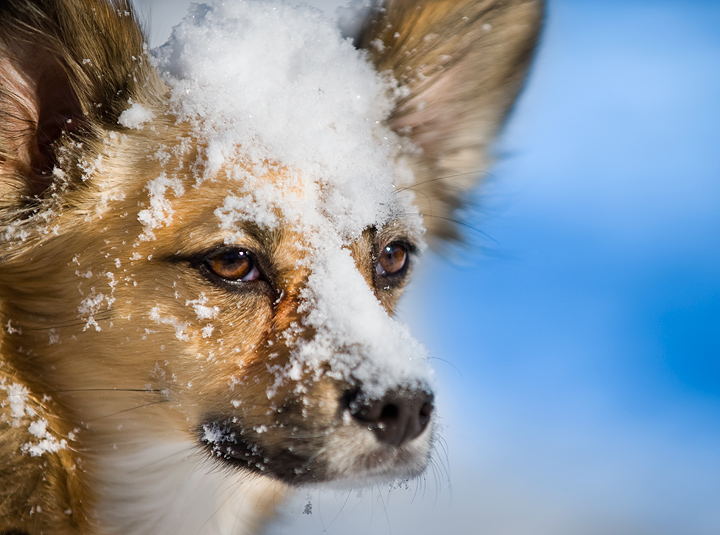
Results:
[202, 248]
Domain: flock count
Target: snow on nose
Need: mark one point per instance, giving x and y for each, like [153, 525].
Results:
[355, 336]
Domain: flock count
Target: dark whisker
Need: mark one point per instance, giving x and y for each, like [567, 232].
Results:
[102, 316]
[462, 224]
[427, 197]
[445, 177]
[417, 486]
[219, 506]
[128, 410]
[442, 462]
[449, 364]
[442, 443]
[342, 508]
[76, 390]
[387, 517]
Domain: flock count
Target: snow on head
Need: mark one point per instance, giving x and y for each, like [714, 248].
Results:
[296, 115]
[281, 83]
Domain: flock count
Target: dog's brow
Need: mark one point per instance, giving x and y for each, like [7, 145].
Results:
[399, 231]
[265, 238]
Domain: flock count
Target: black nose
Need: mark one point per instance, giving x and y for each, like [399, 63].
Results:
[396, 418]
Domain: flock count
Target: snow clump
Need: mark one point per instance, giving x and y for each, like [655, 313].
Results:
[22, 413]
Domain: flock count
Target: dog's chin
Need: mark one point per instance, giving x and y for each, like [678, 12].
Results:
[228, 445]
[348, 462]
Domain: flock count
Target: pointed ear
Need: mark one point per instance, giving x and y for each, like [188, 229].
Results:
[460, 65]
[67, 69]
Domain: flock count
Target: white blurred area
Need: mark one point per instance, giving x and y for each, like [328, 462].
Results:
[577, 363]
[162, 15]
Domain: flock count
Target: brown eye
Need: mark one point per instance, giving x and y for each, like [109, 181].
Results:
[233, 265]
[392, 260]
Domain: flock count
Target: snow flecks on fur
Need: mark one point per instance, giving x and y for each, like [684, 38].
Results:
[92, 305]
[22, 414]
[202, 311]
[212, 434]
[47, 443]
[251, 207]
[53, 337]
[295, 115]
[11, 329]
[17, 397]
[96, 301]
[180, 326]
[160, 211]
[135, 116]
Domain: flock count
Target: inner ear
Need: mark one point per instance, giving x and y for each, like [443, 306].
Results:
[40, 105]
[59, 112]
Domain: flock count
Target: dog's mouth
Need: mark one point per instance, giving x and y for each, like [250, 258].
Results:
[354, 438]
[233, 445]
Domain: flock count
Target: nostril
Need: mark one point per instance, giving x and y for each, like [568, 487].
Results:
[398, 417]
[426, 412]
[389, 412]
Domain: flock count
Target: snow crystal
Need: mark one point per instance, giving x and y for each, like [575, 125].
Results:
[12, 330]
[135, 116]
[203, 311]
[92, 305]
[38, 428]
[47, 443]
[53, 337]
[207, 331]
[180, 326]
[17, 396]
[213, 434]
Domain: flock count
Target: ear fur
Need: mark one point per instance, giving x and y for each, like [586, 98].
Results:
[460, 64]
[67, 68]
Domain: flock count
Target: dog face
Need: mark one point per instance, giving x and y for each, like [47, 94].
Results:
[219, 319]
[203, 250]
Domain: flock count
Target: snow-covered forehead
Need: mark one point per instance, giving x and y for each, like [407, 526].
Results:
[279, 85]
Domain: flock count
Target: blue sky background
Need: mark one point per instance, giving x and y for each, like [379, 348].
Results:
[577, 350]
[587, 341]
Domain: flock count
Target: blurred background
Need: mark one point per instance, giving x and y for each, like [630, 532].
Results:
[577, 344]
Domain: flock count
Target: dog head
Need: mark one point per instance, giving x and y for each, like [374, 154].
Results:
[206, 246]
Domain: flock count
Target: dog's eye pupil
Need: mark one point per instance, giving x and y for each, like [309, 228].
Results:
[392, 259]
[233, 265]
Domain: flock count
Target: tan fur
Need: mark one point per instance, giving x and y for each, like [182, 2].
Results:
[138, 357]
